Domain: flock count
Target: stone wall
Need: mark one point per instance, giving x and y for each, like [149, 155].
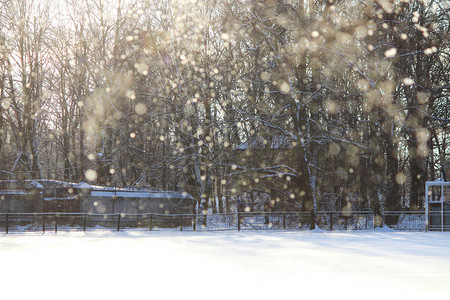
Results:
[104, 205]
[21, 201]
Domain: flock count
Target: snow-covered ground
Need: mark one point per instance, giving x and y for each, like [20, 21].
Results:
[374, 264]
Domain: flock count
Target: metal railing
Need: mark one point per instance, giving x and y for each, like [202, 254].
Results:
[326, 220]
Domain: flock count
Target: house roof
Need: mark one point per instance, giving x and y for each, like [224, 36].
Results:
[271, 142]
[35, 184]
[123, 193]
[96, 191]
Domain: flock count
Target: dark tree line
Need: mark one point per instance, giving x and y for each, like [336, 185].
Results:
[315, 103]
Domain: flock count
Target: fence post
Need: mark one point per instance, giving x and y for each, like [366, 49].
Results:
[367, 220]
[43, 223]
[56, 224]
[239, 221]
[118, 223]
[151, 222]
[373, 220]
[7, 223]
[331, 221]
[181, 222]
[313, 220]
[84, 223]
[195, 222]
[284, 220]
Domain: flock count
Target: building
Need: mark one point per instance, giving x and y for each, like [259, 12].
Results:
[261, 184]
[20, 197]
[30, 196]
[97, 199]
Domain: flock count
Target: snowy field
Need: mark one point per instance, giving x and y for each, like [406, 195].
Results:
[226, 265]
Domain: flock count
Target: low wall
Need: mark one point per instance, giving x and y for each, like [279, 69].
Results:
[135, 205]
[20, 201]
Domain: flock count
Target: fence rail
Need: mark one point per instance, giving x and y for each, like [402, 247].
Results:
[326, 220]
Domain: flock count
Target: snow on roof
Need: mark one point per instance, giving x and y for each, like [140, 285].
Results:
[437, 182]
[59, 198]
[36, 183]
[104, 191]
[272, 142]
[15, 192]
[84, 185]
[16, 186]
[129, 193]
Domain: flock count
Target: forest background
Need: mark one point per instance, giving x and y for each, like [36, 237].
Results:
[310, 102]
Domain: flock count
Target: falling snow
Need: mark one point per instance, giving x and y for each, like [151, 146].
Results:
[240, 106]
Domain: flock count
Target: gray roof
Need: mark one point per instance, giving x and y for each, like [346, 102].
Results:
[96, 191]
[272, 142]
[35, 184]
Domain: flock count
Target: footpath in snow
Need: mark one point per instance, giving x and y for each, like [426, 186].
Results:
[226, 265]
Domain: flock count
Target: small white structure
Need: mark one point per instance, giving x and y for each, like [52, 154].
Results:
[443, 200]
